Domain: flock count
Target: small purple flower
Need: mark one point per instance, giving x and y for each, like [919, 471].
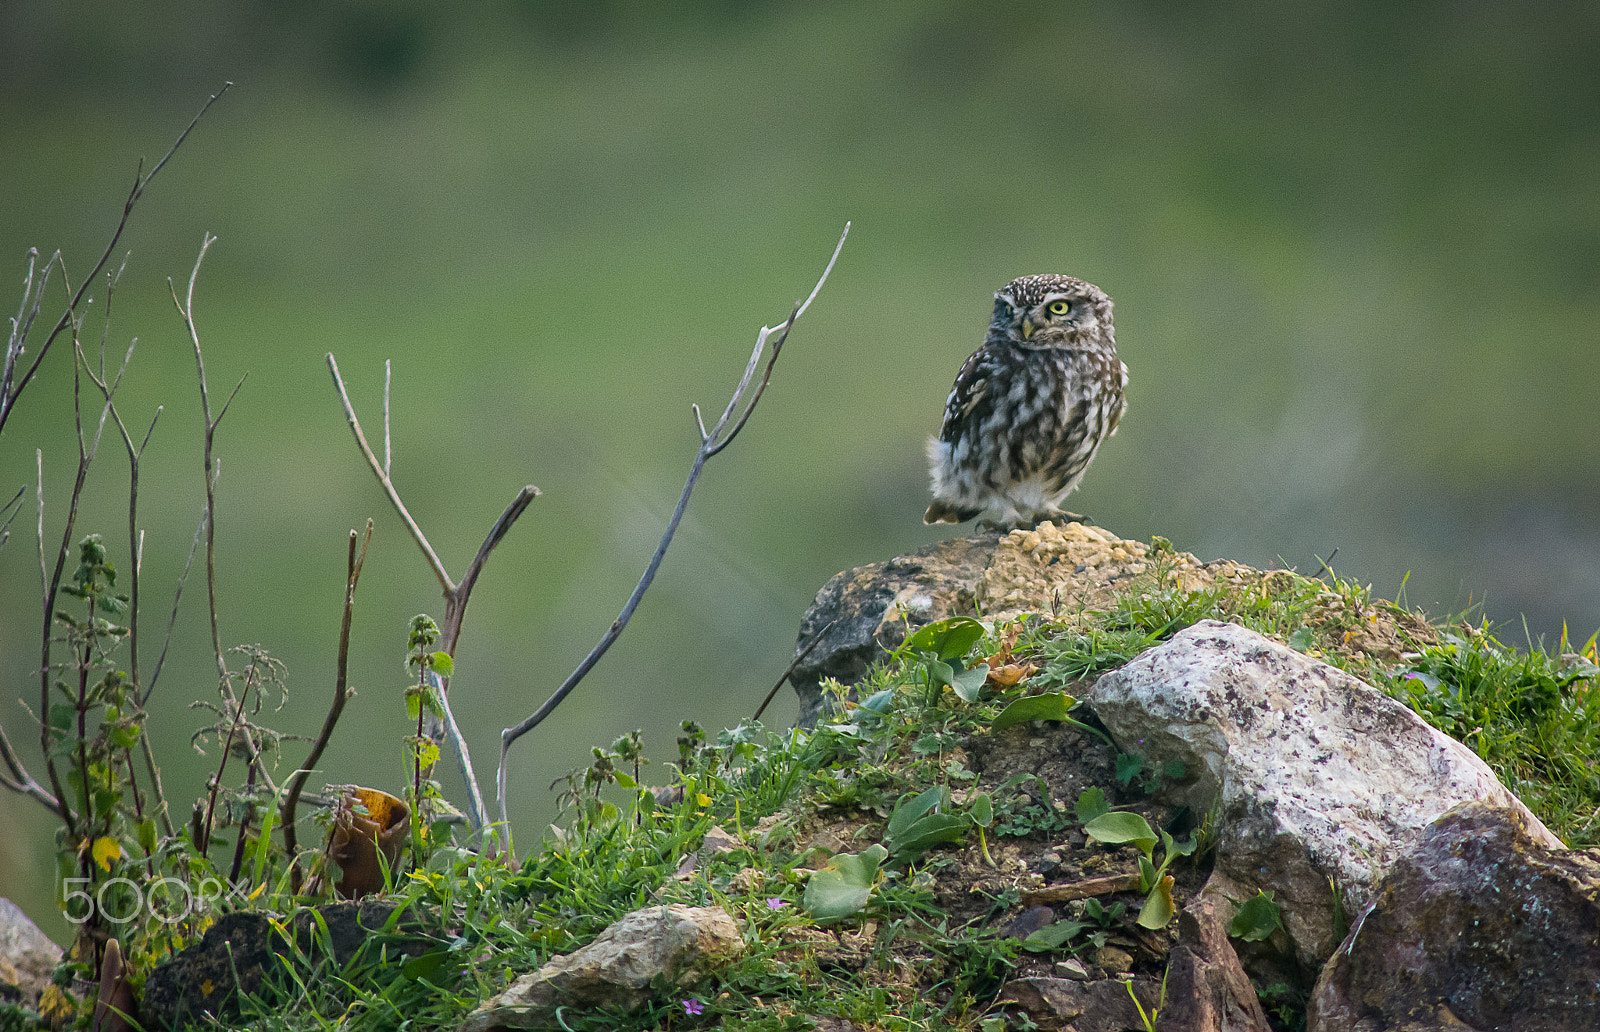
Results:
[774, 903]
[693, 1008]
[1411, 677]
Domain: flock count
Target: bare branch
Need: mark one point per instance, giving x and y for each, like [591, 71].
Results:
[177, 595]
[19, 780]
[10, 392]
[451, 632]
[790, 669]
[710, 445]
[341, 692]
[380, 471]
[388, 450]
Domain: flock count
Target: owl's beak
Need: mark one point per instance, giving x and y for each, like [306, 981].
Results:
[1027, 328]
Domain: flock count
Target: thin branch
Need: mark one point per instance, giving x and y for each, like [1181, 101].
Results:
[341, 693]
[177, 595]
[19, 780]
[791, 668]
[456, 595]
[388, 451]
[380, 471]
[452, 629]
[477, 813]
[710, 445]
[8, 397]
[15, 505]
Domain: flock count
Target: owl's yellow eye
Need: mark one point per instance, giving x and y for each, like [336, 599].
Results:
[1059, 308]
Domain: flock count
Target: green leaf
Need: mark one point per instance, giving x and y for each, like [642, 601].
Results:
[1091, 804]
[1049, 706]
[969, 683]
[879, 702]
[145, 833]
[1158, 909]
[1128, 768]
[844, 886]
[1120, 827]
[1302, 640]
[932, 830]
[1054, 936]
[413, 702]
[948, 639]
[1256, 920]
[908, 812]
[981, 809]
[939, 673]
[443, 664]
[1147, 874]
[63, 716]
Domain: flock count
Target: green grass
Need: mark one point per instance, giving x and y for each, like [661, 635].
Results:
[619, 846]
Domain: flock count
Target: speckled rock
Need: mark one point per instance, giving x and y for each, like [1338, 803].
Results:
[1061, 1003]
[1058, 571]
[1480, 926]
[873, 608]
[657, 946]
[1317, 778]
[27, 956]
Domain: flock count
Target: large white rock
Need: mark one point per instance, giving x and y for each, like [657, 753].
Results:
[1311, 774]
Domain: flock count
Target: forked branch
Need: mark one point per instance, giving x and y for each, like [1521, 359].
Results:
[456, 594]
[712, 442]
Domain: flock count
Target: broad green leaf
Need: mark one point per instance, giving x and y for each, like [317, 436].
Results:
[940, 673]
[1091, 804]
[1120, 826]
[1158, 908]
[981, 809]
[443, 664]
[1054, 936]
[1256, 920]
[947, 639]
[844, 886]
[1049, 706]
[969, 683]
[879, 702]
[908, 811]
[932, 830]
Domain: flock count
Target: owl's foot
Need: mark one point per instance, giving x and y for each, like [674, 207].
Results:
[1060, 516]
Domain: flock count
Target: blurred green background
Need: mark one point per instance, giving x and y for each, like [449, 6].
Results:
[1354, 250]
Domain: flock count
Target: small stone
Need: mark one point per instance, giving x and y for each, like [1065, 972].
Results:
[1113, 961]
[1072, 968]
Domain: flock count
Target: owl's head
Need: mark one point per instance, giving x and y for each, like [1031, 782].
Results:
[1050, 311]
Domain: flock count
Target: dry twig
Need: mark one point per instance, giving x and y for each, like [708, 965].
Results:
[711, 443]
[456, 595]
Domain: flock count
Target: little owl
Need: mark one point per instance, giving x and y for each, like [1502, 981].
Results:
[1030, 407]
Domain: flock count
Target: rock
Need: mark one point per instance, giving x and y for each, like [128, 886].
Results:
[1112, 960]
[1047, 569]
[1061, 1003]
[1207, 988]
[872, 609]
[1072, 968]
[1314, 775]
[27, 956]
[1480, 926]
[240, 954]
[671, 945]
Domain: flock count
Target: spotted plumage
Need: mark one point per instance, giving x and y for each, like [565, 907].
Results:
[1030, 408]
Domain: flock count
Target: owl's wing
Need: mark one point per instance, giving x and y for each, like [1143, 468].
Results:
[970, 398]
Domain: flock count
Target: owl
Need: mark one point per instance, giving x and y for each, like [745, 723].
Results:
[1030, 407]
